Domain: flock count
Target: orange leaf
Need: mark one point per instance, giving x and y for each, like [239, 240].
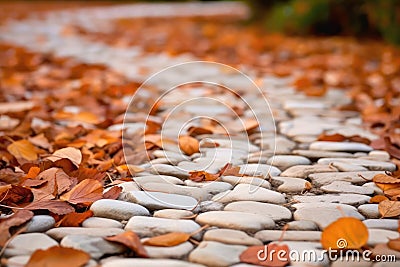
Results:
[86, 192]
[18, 218]
[394, 244]
[22, 149]
[332, 137]
[345, 233]
[113, 193]
[74, 219]
[385, 179]
[388, 208]
[262, 256]
[32, 173]
[167, 240]
[377, 199]
[199, 176]
[130, 240]
[54, 206]
[59, 257]
[188, 144]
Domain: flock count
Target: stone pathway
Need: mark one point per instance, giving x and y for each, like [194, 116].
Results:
[301, 182]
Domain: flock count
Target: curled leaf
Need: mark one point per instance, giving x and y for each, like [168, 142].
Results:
[168, 240]
[130, 240]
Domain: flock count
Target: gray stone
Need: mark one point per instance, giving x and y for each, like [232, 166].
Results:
[291, 184]
[285, 161]
[370, 211]
[117, 209]
[256, 181]
[165, 169]
[348, 167]
[40, 223]
[98, 222]
[28, 243]
[148, 262]
[303, 225]
[347, 187]
[212, 253]
[213, 187]
[95, 246]
[350, 199]
[210, 206]
[230, 236]
[320, 179]
[157, 179]
[324, 213]
[260, 170]
[160, 200]
[281, 143]
[173, 252]
[303, 171]
[194, 192]
[316, 154]
[151, 226]
[373, 165]
[377, 236]
[273, 235]
[61, 232]
[249, 222]
[340, 146]
[174, 214]
[272, 211]
[243, 192]
[387, 224]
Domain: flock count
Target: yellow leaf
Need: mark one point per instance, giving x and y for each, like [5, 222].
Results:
[23, 149]
[188, 144]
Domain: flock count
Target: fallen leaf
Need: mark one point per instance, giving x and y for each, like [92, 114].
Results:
[228, 169]
[189, 145]
[167, 240]
[344, 233]
[388, 208]
[18, 218]
[54, 206]
[333, 137]
[74, 219]
[394, 244]
[58, 257]
[113, 193]
[33, 172]
[262, 256]
[377, 199]
[199, 176]
[71, 153]
[130, 240]
[41, 141]
[86, 192]
[23, 149]
[385, 179]
[16, 195]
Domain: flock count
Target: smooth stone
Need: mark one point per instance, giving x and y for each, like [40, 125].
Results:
[157, 179]
[210, 205]
[379, 155]
[316, 154]
[285, 161]
[303, 225]
[346, 187]
[387, 224]
[170, 155]
[377, 190]
[152, 226]
[230, 236]
[320, 179]
[372, 165]
[350, 199]
[348, 167]
[324, 214]
[370, 211]
[95, 246]
[165, 169]
[117, 209]
[210, 165]
[223, 154]
[98, 222]
[377, 236]
[28, 243]
[129, 186]
[160, 200]
[173, 214]
[18, 261]
[40, 223]
[273, 235]
[235, 180]
[236, 144]
[260, 170]
[173, 252]
[243, 192]
[190, 191]
[235, 220]
[340, 146]
[129, 262]
[279, 145]
[212, 253]
[303, 171]
[61, 232]
[213, 187]
[275, 212]
[291, 184]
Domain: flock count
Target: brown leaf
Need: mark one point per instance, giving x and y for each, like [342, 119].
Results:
[332, 137]
[377, 199]
[58, 257]
[87, 173]
[251, 255]
[228, 169]
[388, 208]
[113, 192]
[18, 218]
[199, 176]
[130, 240]
[385, 179]
[189, 145]
[86, 192]
[23, 149]
[74, 219]
[71, 153]
[54, 206]
[16, 195]
[168, 240]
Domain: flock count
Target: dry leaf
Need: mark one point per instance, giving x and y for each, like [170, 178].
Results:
[23, 149]
[199, 176]
[394, 244]
[189, 145]
[74, 219]
[18, 218]
[16, 195]
[130, 240]
[251, 255]
[388, 208]
[54, 206]
[58, 257]
[113, 192]
[71, 153]
[33, 172]
[344, 233]
[385, 179]
[377, 199]
[86, 192]
[168, 240]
